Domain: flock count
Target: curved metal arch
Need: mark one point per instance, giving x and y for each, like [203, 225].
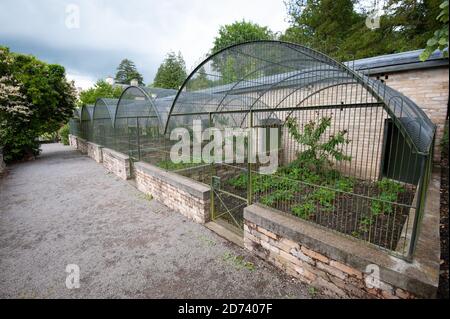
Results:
[227, 103]
[377, 90]
[301, 49]
[103, 100]
[85, 109]
[149, 98]
[274, 109]
[244, 79]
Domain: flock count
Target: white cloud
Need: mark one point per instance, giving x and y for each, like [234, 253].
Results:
[81, 81]
[143, 31]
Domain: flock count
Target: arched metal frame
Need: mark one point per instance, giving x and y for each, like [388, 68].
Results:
[86, 116]
[258, 82]
[291, 80]
[103, 120]
[418, 122]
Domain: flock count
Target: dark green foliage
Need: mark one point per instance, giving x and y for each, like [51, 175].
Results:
[101, 89]
[238, 32]
[35, 99]
[64, 134]
[231, 67]
[440, 36]
[389, 191]
[309, 179]
[127, 71]
[200, 81]
[336, 28]
[319, 153]
[171, 73]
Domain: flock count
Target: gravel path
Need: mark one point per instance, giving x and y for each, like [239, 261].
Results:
[63, 208]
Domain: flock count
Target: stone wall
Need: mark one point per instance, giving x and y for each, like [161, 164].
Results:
[73, 141]
[82, 145]
[117, 163]
[94, 151]
[190, 198]
[345, 267]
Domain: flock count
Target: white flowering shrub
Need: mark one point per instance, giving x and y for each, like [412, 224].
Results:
[35, 98]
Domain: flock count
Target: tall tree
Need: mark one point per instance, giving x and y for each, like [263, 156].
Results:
[230, 67]
[440, 36]
[171, 73]
[200, 81]
[321, 24]
[101, 89]
[336, 28]
[127, 71]
[35, 98]
[238, 32]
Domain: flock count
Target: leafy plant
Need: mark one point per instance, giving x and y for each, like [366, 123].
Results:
[278, 195]
[101, 89]
[171, 73]
[304, 210]
[127, 71]
[238, 261]
[319, 153]
[312, 291]
[64, 134]
[324, 197]
[365, 224]
[35, 98]
[440, 36]
[389, 191]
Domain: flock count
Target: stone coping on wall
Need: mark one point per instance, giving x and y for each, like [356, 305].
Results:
[82, 145]
[419, 278]
[117, 163]
[186, 184]
[186, 196]
[94, 151]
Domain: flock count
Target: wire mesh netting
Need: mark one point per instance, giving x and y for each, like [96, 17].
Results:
[350, 153]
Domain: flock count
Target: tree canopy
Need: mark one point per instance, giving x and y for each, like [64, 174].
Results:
[171, 73]
[101, 89]
[35, 98]
[238, 32]
[440, 36]
[127, 71]
[338, 27]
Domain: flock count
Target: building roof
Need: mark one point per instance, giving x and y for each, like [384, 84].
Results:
[396, 62]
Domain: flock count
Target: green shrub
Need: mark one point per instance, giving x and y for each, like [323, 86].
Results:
[64, 134]
[304, 210]
[35, 98]
[319, 151]
[389, 191]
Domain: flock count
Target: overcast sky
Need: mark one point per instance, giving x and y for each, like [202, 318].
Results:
[110, 30]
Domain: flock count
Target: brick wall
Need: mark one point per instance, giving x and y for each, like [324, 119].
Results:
[117, 163]
[429, 89]
[180, 193]
[94, 151]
